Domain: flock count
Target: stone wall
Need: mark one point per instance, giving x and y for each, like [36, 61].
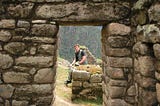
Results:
[118, 85]
[130, 48]
[27, 55]
[86, 85]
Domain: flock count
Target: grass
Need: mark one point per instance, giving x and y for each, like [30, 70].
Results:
[66, 92]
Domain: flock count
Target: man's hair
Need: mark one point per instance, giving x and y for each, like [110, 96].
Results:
[77, 45]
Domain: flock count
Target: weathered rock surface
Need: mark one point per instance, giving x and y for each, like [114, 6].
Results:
[6, 61]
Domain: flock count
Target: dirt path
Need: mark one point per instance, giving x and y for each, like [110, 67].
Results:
[60, 102]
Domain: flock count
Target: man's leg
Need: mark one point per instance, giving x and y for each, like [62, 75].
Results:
[69, 80]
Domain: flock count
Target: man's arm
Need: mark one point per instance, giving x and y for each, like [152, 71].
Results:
[74, 61]
[83, 59]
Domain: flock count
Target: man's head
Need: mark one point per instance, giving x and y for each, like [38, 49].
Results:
[77, 47]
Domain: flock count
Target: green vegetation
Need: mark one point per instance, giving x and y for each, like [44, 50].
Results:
[88, 36]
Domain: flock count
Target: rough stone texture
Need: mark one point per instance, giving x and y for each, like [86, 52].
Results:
[19, 103]
[96, 78]
[157, 75]
[6, 91]
[141, 48]
[89, 88]
[39, 40]
[148, 33]
[120, 83]
[44, 30]
[122, 29]
[39, 61]
[5, 36]
[80, 75]
[148, 96]
[23, 24]
[120, 62]
[27, 90]
[158, 91]
[118, 41]
[116, 92]
[154, 13]
[7, 24]
[145, 66]
[114, 102]
[131, 91]
[83, 11]
[46, 49]
[16, 77]
[156, 48]
[35, 23]
[15, 47]
[45, 75]
[6, 61]
[145, 82]
[117, 51]
[22, 10]
[115, 73]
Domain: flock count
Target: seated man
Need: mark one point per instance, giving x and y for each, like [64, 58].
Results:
[79, 59]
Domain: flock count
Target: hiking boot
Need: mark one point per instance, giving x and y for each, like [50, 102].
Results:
[67, 82]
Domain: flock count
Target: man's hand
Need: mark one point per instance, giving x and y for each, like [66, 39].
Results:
[77, 64]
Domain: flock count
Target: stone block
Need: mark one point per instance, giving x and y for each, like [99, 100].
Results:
[147, 95]
[116, 92]
[16, 77]
[39, 40]
[6, 91]
[15, 47]
[5, 36]
[23, 24]
[86, 84]
[148, 33]
[83, 11]
[79, 75]
[45, 30]
[131, 91]
[118, 83]
[77, 84]
[115, 73]
[145, 82]
[20, 103]
[36, 61]
[157, 66]
[117, 51]
[158, 91]
[118, 29]
[156, 48]
[43, 101]
[119, 42]
[141, 48]
[7, 23]
[22, 10]
[157, 75]
[21, 69]
[33, 90]
[6, 61]
[22, 31]
[145, 66]
[154, 13]
[122, 62]
[46, 49]
[39, 21]
[40, 76]
[130, 99]
[33, 50]
[17, 38]
[96, 78]
[115, 102]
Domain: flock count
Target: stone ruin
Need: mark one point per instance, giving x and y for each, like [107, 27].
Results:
[130, 49]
